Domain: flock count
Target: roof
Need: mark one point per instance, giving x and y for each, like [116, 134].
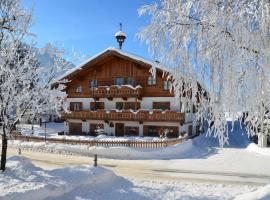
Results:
[115, 50]
[120, 33]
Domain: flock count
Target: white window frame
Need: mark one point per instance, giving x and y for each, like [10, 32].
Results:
[167, 85]
[130, 80]
[118, 82]
[77, 106]
[79, 89]
[93, 83]
[152, 80]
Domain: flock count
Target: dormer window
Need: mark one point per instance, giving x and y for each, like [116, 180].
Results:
[167, 85]
[119, 81]
[151, 80]
[79, 89]
[93, 83]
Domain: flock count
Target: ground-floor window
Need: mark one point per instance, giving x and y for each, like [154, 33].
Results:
[95, 129]
[161, 131]
[152, 131]
[131, 131]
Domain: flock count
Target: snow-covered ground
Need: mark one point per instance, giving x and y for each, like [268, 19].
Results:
[22, 180]
[53, 128]
[259, 194]
[200, 147]
[191, 160]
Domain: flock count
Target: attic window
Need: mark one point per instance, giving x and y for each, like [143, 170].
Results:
[79, 89]
[93, 84]
[167, 85]
[130, 81]
[151, 80]
[119, 81]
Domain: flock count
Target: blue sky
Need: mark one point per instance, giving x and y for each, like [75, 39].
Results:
[88, 25]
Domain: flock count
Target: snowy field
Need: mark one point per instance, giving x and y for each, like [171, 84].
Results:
[22, 180]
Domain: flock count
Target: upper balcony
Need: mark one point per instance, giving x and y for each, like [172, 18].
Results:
[127, 115]
[109, 92]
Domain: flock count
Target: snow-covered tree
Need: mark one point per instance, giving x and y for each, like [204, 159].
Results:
[26, 88]
[222, 44]
[99, 130]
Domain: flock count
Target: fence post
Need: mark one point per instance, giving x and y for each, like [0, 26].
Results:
[95, 160]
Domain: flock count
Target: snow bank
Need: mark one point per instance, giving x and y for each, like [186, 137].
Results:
[52, 129]
[107, 152]
[22, 180]
[260, 150]
[260, 194]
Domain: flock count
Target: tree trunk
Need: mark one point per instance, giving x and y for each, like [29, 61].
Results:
[4, 152]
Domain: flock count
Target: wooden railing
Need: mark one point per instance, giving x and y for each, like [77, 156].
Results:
[127, 115]
[114, 143]
[108, 92]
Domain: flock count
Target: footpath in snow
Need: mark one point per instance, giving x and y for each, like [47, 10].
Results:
[23, 181]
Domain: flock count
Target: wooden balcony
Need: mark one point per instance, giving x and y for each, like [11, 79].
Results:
[109, 92]
[127, 115]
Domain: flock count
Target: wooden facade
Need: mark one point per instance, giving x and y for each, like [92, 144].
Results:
[127, 83]
[107, 70]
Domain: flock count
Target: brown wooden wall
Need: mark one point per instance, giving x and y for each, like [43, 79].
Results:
[105, 71]
[75, 128]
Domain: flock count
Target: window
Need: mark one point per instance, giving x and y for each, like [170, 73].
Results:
[151, 80]
[130, 81]
[75, 106]
[161, 105]
[119, 105]
[119, 81]
[152, 131]
[132, 105]
[97, 105]
[167, 85]
[93, 83]
[131, 130]
[79, 89]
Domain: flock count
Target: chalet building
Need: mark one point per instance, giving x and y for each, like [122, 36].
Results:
[115, 92]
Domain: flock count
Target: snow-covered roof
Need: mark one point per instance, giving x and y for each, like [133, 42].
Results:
[119, 51]
[120, 33]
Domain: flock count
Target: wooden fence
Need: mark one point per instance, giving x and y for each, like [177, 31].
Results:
[114, 143]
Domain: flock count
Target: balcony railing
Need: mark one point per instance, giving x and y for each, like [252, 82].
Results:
[127, 115]
[109, 92]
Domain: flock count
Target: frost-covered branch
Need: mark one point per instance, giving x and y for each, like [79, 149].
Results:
[224, 45]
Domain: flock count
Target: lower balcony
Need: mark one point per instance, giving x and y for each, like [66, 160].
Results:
[127, 115]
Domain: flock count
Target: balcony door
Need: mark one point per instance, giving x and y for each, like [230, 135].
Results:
[119, 129]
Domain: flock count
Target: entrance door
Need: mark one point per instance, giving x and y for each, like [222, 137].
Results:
[75, 128]
[119, 129]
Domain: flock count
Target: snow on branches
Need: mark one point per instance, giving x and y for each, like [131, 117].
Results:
[27, 89]
[222, 44]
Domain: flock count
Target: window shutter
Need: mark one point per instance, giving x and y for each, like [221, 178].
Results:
[71, 106]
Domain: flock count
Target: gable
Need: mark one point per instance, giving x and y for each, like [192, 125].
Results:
[112, 68]
[104, 57]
